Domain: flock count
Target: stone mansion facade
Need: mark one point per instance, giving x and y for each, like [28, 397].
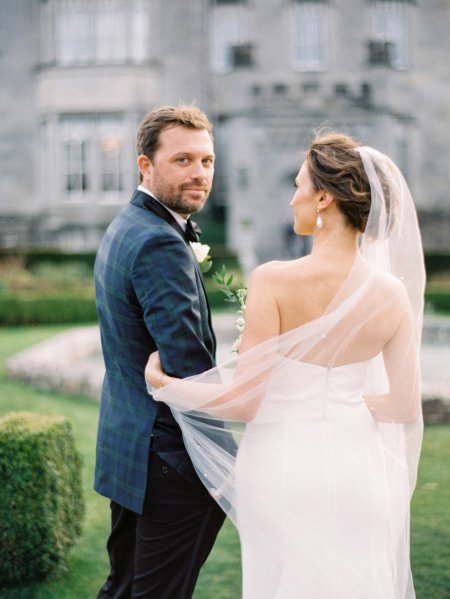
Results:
[78, 75]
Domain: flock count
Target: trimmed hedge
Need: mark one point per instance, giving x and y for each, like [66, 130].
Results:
[72, 306]
[438, 300]
[56, 299]
[46, 309]
[437, 263]
[32, 258]
[19, 310]
[41, 502]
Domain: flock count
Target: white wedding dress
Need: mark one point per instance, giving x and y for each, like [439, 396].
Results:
[318, 485]
[319, 469]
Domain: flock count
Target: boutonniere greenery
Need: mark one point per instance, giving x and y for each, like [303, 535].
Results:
[234, 296]
[201, 253]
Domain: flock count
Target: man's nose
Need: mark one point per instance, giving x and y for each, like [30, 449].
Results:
[198, 171]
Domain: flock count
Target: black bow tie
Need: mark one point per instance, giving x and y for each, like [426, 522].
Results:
[192, 231]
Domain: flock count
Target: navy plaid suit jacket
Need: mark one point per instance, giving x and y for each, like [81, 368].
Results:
[149, 295]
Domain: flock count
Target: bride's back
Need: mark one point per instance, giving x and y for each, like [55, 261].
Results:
[307, 289]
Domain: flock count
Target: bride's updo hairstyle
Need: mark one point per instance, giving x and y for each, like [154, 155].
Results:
[336, 166]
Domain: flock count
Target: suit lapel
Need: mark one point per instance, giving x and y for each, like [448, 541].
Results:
[143, 200]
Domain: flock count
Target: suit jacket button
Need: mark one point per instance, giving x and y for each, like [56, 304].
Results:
[164, 469]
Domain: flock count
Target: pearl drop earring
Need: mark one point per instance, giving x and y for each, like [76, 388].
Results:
[319, 221]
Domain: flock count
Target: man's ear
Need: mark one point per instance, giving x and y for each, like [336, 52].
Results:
[144, 164]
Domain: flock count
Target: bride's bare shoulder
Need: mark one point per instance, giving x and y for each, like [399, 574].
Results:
[390, 292]
[388, 282]
[277, 270]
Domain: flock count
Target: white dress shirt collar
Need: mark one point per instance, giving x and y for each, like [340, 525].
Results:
[180, 220]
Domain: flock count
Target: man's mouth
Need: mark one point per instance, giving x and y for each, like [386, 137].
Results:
[193, 188]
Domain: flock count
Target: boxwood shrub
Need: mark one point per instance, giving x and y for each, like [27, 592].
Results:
[437, 262]
[32, 257]
[41, 502]
[438, 300]
[18, 309]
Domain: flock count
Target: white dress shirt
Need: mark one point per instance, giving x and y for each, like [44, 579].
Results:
[180, 220]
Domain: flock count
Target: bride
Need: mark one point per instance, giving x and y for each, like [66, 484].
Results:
[324, 398]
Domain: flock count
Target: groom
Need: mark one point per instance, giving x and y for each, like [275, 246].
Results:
[150, 295]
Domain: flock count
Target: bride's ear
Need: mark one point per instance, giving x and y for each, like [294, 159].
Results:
[325, 200]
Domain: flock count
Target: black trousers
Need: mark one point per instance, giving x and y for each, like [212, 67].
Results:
[159, 555]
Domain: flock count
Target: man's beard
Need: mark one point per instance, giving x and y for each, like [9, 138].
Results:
[171, 196]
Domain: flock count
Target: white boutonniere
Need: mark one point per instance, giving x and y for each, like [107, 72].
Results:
[234, 296]
[201, 253]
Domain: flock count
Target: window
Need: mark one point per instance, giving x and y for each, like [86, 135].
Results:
[110, 142]
[110, 32]
[139, 31]
[309, 35]
[390, 32]
[231, 46]
[228, 1]
[76, 177]
[72, 33]
[79, 32]
[92, 157]
[402, 155]
[75, 134]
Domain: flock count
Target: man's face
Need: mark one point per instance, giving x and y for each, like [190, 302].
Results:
[181, 172]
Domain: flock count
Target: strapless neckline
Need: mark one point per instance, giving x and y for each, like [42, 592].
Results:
[362, 364]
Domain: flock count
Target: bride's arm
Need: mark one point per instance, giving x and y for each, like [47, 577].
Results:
[401, 359]
[240, 399]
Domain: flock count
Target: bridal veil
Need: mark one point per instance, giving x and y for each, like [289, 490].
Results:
[213, 430]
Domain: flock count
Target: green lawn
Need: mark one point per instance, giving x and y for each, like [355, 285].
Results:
[89, 563]
[220, 578]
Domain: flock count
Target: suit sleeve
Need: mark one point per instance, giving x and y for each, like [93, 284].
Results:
[165, 282]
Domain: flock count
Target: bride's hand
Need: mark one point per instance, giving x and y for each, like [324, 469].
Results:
[154, 374]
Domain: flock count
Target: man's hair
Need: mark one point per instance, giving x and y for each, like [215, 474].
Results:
[147, 140]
